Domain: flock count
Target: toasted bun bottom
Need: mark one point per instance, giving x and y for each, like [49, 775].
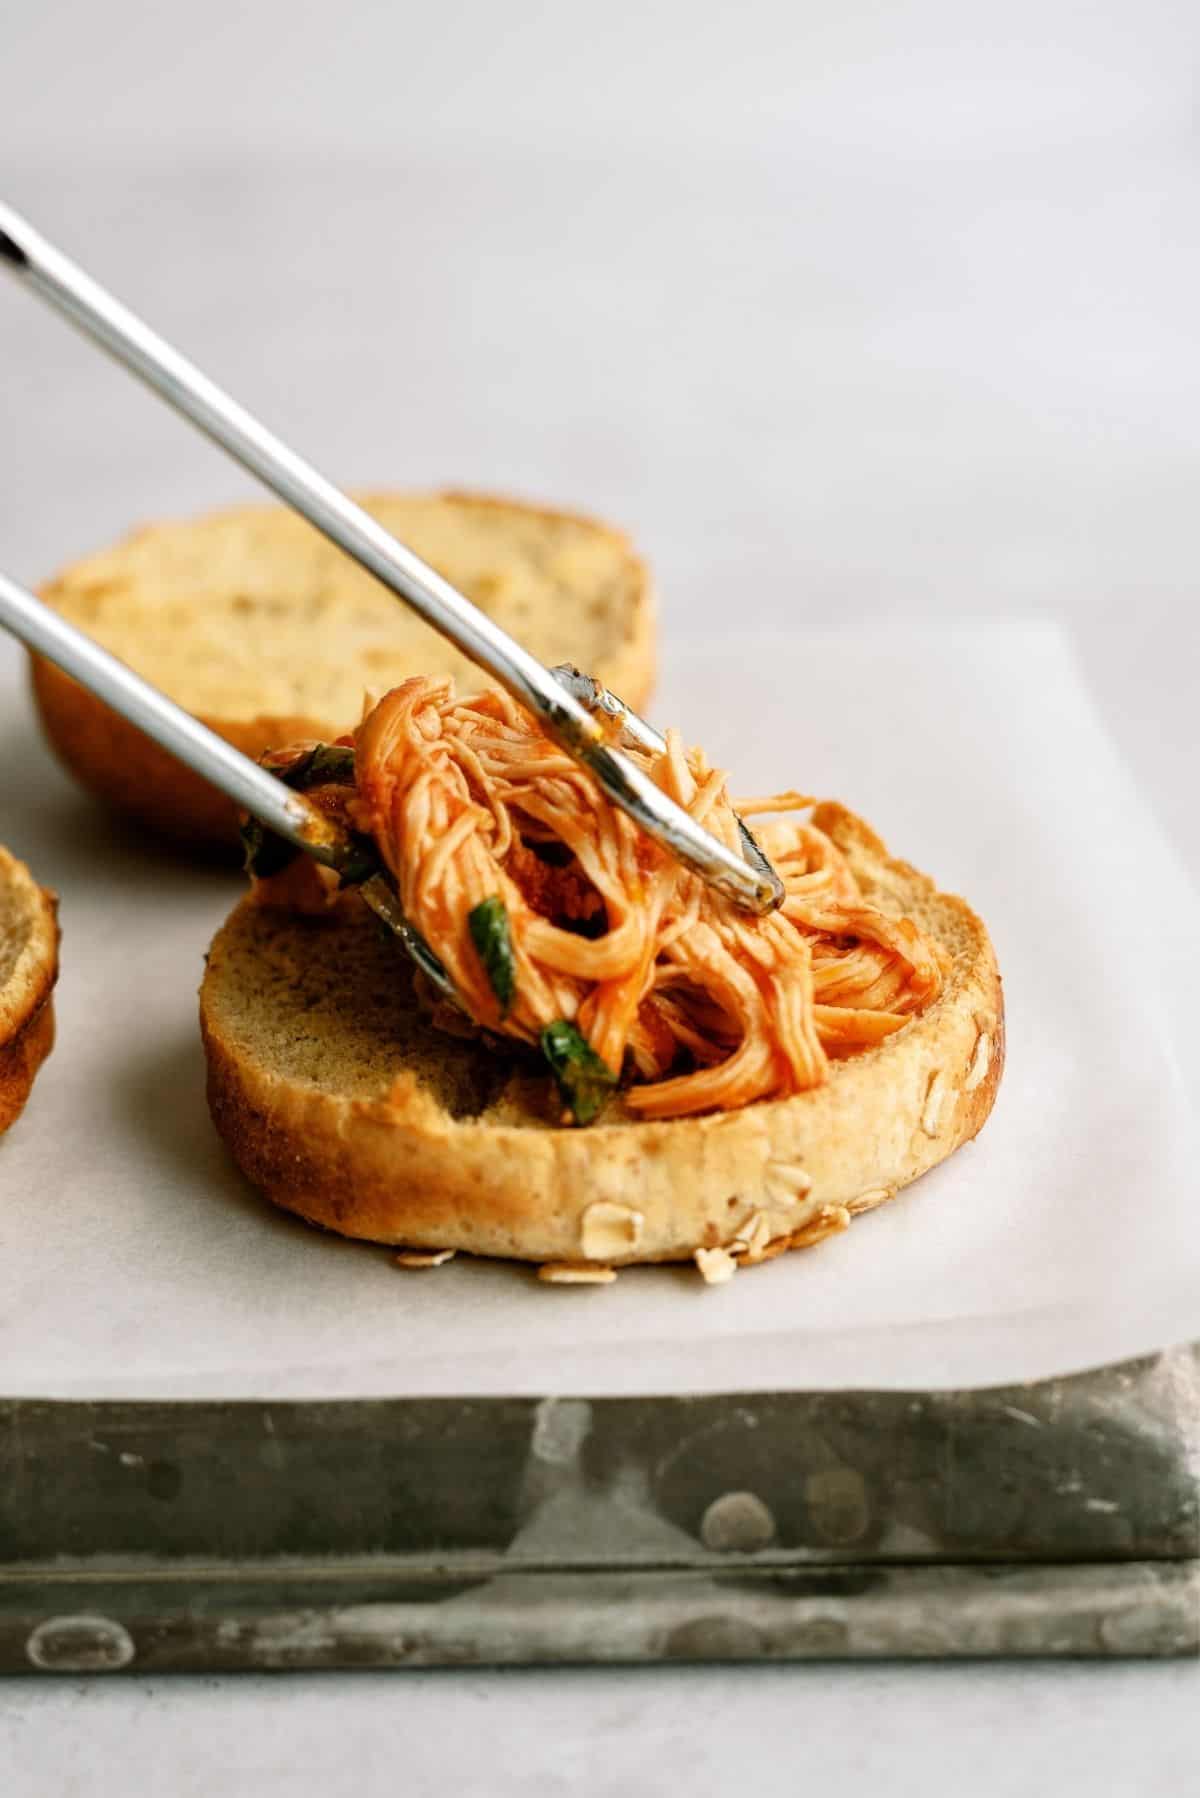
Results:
[268, 635]
[342, 1103]
[28, 970]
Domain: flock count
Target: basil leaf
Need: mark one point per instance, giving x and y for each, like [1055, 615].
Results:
[330, 764]
[291, 771]
[585, 1082]
[362, 864]
[325, 764]
[488, 924]
[263, 853]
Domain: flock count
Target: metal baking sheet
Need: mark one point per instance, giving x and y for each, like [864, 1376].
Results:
[1061, 1518]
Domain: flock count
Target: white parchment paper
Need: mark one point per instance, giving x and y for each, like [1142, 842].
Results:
[135, 1261]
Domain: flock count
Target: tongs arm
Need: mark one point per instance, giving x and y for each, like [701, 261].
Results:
[287, 813]
[87, 305]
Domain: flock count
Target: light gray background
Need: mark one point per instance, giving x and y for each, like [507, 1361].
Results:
[842, 310]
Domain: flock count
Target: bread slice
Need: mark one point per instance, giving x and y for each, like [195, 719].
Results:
[28, 971]
[254, 622]
[343, 1103]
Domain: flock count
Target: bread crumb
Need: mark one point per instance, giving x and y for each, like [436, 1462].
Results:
[778, 1245]
[867, 1201]
[786, 1187]
[830, 1221]
[796, 1179]
[980, 1062]
[607, 1229]
[934, 1096]
[424, 1257]
[576, 1273]
[752, 1239]
[716, 1265]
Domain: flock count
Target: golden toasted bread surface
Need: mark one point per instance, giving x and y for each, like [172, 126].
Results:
[254, 622]
[342, 1102]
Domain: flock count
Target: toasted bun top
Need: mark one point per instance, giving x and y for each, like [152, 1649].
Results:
[252, 613]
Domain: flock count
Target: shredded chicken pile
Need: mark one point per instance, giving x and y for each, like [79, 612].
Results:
[703, 1006]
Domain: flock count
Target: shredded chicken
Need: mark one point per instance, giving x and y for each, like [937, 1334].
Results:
[704, 1006]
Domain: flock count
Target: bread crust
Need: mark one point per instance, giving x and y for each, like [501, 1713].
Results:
[394, 1165]
[128, 771]
[26, 1002]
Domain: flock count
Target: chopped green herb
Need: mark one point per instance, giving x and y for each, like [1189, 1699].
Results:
[288, 765]
[321, 765]
[488, 924]
[325, 764]
[585, 1082]
[263, 853]
[330, 764]
[362, 863]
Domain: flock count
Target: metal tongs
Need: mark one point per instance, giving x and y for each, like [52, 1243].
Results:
[581, 716]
